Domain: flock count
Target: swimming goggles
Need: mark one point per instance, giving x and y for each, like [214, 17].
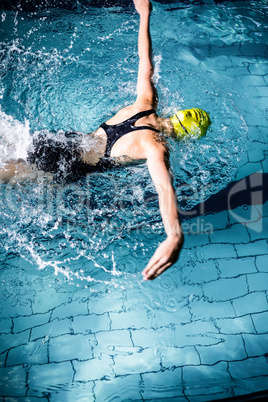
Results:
[182, 126]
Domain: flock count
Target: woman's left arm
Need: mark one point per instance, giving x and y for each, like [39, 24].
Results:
[168, 251]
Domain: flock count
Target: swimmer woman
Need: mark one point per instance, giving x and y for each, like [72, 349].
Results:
[142, 143]
[133, 134]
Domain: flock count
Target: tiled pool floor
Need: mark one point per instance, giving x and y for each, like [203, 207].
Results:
[207, 339]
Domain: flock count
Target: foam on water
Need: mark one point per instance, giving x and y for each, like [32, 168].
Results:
[14, 138]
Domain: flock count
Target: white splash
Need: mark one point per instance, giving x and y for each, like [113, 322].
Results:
[14, 138]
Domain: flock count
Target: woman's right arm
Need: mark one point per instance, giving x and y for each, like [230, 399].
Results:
[168, 251]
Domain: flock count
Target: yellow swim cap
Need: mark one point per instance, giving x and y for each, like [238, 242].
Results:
[190, 122]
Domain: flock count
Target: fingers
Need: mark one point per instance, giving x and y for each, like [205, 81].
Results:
[155, 269]
[165, 255]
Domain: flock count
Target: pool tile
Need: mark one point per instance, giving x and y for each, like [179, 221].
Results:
[26, 322]
[258, 68]
[135, 297]
[234, 72]
[244, 214]
[46, 300]
[3, 357]
[5, 325]
[185, 291]
[208, 374]
[261, 131]
[194, 240]
[132, 319]
[201, 309]
[257, 282]
[13, 381]
[172, 311]
[196, 333]
[153, 337]
[217, 251]
[198, 273]
[232, 267]
[226, 289]
[79, 391]
[31, 353]
[233, 326]
[69, 347]
[232, 50]
[106, 303]
[261, 322]
[179, 356]
[252, 80]
[263, 210]
[249, 368]
[218, 221]
[7, 310]
[229, 348]
[196, 230]
[236, 233]
[209, 393]
[256, 155]
[111, 339]
[251, 384]
[164, 384]
[263, 91]
[260, 102]
[44, 377]
[94, 369]
[70, 310]
[258, 230]
[256, 345]
[137, 361]
[262, 263]
[243, 61]
[146, 338]
[254, 49]
[114, 388]
[251, 303]
[8, 341]
[53, 328]
[257, 247]
[248, 169]
[258, 144]
[221, 63]
[91, 323]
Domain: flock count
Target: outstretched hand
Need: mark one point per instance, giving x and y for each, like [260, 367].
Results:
[142, 6]
[165, 255]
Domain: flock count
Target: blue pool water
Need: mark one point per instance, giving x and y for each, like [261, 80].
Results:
[77, 321]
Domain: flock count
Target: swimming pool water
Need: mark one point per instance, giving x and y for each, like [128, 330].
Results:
[77, 322]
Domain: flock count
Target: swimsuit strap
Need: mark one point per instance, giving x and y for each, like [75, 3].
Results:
[116, 131]
[139, 115]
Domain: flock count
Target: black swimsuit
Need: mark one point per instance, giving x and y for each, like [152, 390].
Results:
[116, 131]
[61, 155]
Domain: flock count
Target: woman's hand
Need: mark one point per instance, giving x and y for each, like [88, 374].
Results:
[165, 256]
[142, 6]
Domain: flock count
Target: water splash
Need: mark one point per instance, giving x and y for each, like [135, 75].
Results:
[14, 138]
